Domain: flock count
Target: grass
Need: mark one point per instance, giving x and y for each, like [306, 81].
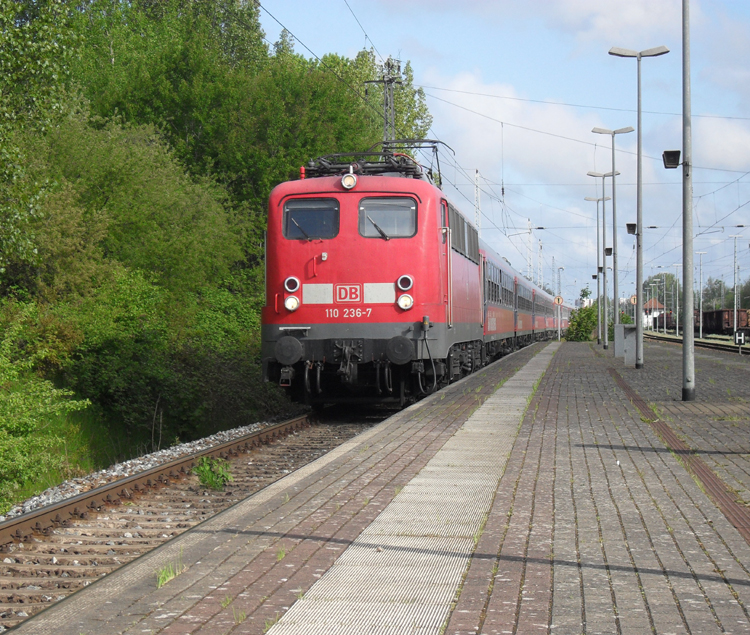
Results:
[239, 616]
[280, 554]
[170, 571]
[212, 472]
[88, 443]
[226, 602]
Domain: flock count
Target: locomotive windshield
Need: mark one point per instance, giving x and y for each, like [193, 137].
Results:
[388, 218]
[308, 218]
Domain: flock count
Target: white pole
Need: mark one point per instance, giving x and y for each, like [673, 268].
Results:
[688, 330]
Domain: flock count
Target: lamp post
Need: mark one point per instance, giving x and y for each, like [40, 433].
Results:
[735, 306]
[620, 52]
[614, 213]
[604, 252]
[664, 295]
[559, 308]
[700, 276]
[598, 270]
[677, 307]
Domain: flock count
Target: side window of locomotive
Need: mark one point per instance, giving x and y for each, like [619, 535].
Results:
[309, 218]
[444, 218]
[388, 218]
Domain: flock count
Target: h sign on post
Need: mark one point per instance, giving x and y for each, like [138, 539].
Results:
[739, 338]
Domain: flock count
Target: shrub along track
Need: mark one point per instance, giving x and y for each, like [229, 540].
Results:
[48, 554]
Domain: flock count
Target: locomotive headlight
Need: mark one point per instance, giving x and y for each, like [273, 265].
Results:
[405, 283]
[348, 181]
[291, 303]
[405, 301]
[291, 284]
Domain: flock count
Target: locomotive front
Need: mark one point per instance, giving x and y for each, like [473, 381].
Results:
[352, 282]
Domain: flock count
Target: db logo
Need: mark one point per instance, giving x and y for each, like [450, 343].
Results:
[348, 293]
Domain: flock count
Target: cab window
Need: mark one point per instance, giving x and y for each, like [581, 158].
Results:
[388, 217]
[309, 218]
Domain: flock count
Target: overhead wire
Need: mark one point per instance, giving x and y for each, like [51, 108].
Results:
[588, 107]
[559, 136]
[367, 37]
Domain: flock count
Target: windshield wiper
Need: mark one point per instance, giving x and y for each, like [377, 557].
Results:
[302, 230]
[376, 226]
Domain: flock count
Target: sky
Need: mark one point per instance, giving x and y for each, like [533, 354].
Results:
[515, 89]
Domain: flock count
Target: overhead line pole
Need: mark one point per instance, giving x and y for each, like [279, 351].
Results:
[688, 329]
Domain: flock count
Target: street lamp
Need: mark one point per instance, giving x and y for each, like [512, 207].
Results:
[664, 295]
[677, 306]
[700, 275]
[614, 212]
[653, 52]
[735, 306]
[604, 245]
[559, 308]
[598, 270]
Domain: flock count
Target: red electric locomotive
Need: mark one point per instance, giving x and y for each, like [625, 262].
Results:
[378, 289]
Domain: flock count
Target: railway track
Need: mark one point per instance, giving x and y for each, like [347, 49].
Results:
[717, 346]
[48, 554]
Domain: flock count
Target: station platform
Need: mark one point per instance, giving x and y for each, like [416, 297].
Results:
[554, 491]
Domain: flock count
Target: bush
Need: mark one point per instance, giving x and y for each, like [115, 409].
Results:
[582, 324]
[28, 403]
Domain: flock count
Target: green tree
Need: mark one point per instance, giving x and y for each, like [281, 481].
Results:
[582, 321]
[36, 48]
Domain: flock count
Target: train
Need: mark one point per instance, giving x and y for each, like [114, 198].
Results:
[378, 289]
[721, 321]
[716, 322]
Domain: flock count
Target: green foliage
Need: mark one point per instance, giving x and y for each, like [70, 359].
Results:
[36, 46]
[138, 144]
[212, 472]
[170, 571]
[582, 324]
[624, 319]
[28, 404]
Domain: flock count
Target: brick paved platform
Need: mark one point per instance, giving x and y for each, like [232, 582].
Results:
[606, 518]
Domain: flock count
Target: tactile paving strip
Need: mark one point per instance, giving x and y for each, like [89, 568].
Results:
[402, 573]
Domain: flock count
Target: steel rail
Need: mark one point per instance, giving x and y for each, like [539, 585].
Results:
[44, 519]
[717, 346]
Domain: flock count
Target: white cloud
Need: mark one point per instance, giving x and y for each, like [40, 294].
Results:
[632, 23]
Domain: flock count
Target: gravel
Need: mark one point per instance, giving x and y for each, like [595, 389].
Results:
[79, 485]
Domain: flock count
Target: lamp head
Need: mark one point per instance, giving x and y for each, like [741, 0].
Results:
[671, 159]
[631, 227]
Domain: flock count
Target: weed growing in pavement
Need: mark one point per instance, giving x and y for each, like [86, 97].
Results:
[270, 623]
[367, 500]
[398, 489]
[286, 498]
[280, 554]
[226, 602]
[239, 616]
[212, 472]
[170, 571]
[300, 594]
